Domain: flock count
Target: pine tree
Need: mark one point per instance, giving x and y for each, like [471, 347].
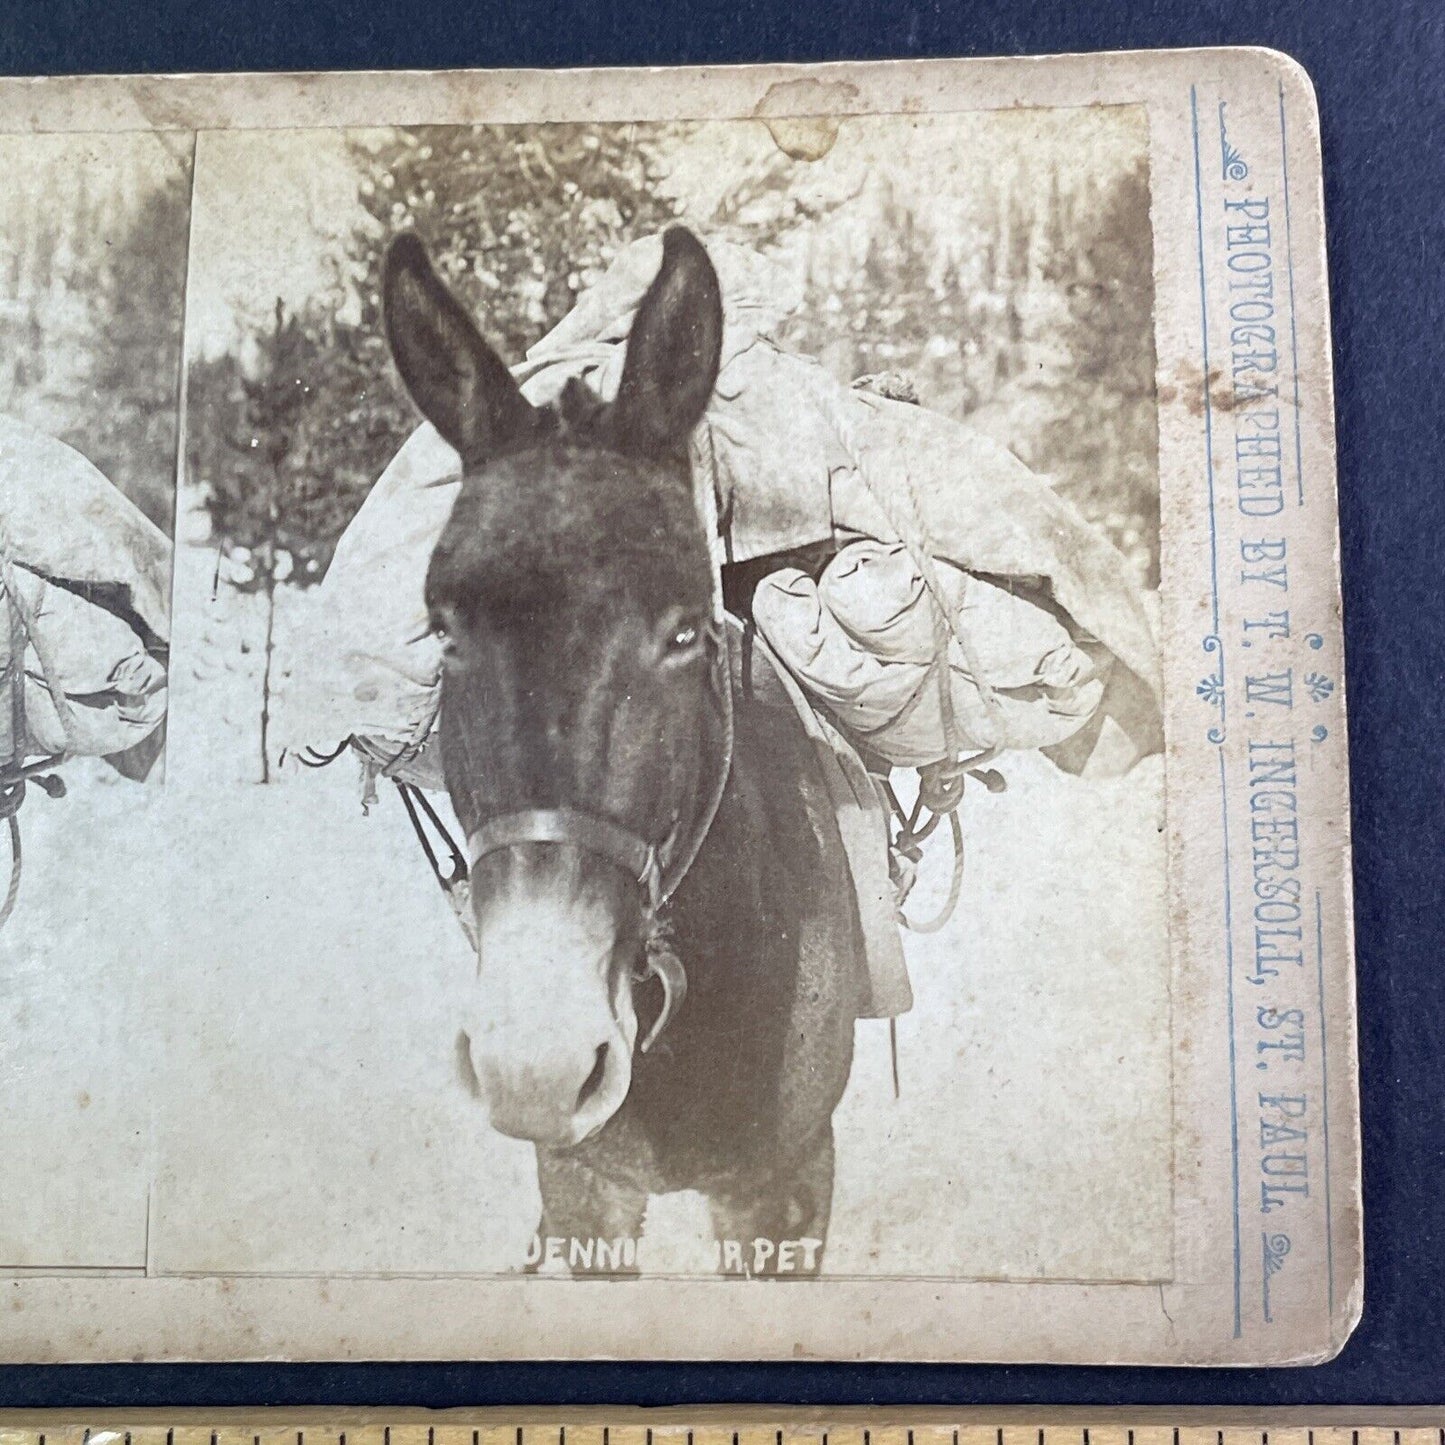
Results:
[518, 218]
[274, 512]
[1110, 440]
[765, 205]
[1056, 256]
[1019, 240]
[134, 349]
[888, 310]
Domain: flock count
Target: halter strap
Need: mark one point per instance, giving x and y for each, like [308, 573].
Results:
[592, 834]
[658, 867]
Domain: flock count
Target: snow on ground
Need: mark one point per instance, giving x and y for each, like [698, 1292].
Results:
[246, 1023]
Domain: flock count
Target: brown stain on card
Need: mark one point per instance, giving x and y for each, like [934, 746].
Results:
[1184, 384]
[811, 134]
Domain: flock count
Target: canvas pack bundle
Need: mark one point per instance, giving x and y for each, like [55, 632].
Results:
[1054, 615]
[862, 638]
[85, 579]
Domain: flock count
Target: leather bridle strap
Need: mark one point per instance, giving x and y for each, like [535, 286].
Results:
[581, 830]
[658, 868]
[617, 845]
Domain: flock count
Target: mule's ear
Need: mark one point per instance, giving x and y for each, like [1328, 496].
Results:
[458, 382]
[673, 352]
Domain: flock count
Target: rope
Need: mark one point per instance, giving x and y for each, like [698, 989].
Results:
[309, 757]
[12, 892]
[913, 831]
[414, 799]
[914, 536]
[955, 884]
[50, 672]
[941, 783]
[12, 772]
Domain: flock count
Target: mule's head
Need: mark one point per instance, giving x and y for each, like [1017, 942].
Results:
[573, 588]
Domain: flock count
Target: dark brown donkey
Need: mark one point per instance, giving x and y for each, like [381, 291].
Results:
[668, 960]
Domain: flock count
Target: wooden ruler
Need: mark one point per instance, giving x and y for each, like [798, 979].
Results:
[723, 1425]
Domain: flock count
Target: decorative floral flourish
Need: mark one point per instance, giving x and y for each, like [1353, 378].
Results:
[1318, 685]
[1211, 688]
[1276, 1247]
[1232, 164]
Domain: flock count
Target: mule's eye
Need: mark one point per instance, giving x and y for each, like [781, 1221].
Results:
[679, 638]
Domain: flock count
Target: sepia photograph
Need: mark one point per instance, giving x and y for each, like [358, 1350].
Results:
[93, 241]
[689, 782]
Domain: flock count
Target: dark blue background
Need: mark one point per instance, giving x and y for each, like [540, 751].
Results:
[1379, 66]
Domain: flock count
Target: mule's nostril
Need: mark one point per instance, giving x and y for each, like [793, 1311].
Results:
[593, 1081]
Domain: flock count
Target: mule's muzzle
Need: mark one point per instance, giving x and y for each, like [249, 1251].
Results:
[553, 1026]
[558, 1099]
